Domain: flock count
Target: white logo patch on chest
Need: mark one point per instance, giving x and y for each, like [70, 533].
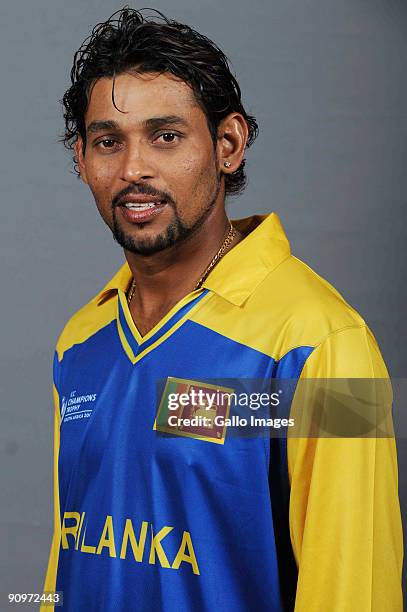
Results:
[77, 406]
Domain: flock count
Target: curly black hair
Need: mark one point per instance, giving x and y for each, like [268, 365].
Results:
[135, 42]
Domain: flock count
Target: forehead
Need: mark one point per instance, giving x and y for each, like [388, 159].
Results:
[141, 96]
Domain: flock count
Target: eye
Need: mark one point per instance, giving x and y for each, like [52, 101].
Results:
[168, 137]
[108, 143]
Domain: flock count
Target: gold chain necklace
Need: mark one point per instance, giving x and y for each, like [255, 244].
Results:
[225, 244]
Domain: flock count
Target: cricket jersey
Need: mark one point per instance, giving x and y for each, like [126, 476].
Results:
[150, 517]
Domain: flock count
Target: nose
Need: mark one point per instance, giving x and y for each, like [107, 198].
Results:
[136, 165]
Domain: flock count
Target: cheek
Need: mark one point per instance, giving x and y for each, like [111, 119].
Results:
[100, 187]
[100, 175]
[195, 169]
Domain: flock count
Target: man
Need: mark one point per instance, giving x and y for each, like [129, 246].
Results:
[156, 515]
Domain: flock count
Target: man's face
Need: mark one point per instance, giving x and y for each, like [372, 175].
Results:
[160, 149]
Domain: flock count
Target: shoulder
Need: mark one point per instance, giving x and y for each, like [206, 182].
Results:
[95, 314]
[304, 307]
[291, 307]
[84, 323]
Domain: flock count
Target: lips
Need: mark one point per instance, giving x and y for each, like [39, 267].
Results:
[137, 211]
[141, 205]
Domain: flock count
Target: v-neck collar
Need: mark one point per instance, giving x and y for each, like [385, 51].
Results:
[137, 346]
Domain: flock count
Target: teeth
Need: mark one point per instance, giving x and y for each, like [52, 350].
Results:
[140, 205]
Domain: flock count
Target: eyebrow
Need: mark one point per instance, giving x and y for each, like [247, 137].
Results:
[153, 122]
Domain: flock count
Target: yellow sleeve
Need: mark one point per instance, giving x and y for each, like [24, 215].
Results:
[50, 579]
[345, 522]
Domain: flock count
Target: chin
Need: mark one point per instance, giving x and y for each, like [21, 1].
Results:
[146, 245]
[154, 241]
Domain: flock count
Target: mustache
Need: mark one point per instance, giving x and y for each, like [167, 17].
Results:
[141, 190]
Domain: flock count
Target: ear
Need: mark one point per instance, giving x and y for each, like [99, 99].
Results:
[232, 138]
[79, 158]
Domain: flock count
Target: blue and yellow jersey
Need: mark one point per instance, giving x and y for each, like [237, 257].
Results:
[152, 521]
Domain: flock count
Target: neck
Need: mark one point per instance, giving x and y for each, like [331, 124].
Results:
[165, 277]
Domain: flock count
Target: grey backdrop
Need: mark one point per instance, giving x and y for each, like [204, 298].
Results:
[326, 80]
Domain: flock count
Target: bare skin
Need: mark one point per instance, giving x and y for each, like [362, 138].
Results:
[173, 159]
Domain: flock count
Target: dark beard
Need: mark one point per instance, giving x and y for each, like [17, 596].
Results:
[176, 232]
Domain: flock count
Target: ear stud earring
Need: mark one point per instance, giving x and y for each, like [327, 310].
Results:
[227, 164]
